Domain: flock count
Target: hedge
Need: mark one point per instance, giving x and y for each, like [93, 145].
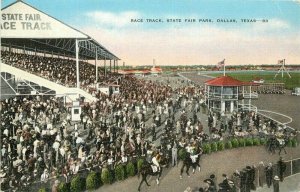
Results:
[242, 142]
[263, 141]
[119, 172]
[221, 146]
[106, 176]
[249, 141]
[182, 154]
[206, 148]
[140, 163]
[214, 147]
[92, 181]
[63, 187]
[42, 190]
[290, 143]
[77, 184]
[256, 141]
[235, 143]
[130, 169]
[228, 145]
[294, 142]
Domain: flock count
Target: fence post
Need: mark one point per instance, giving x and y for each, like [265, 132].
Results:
[292, 166]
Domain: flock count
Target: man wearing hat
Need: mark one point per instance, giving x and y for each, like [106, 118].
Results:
[281, 168]
[276, 184]
[269, 174]
[225, 183]
[210, 184]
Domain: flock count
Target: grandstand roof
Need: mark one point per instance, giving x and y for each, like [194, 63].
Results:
[26, 27]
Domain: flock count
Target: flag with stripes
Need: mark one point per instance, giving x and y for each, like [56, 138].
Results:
[221, 63]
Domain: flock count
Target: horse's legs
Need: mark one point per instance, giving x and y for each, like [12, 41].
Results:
[146, 180]
[198, 164]
[141, 183]
[194, 165]
[187, 169]
[181, 170]
[284, 150]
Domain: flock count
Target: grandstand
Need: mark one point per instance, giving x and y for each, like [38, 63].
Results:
[41, 55]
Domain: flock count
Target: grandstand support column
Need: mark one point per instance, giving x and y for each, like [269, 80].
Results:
[105, 67]
[110, 65]
[96, 58]
[117, 66]
[114, 65]
[250, 98]
[77, 63]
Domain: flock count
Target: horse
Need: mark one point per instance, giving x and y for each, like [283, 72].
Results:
[188, 161]
[146, 170]
[277, 143]
[280, 144]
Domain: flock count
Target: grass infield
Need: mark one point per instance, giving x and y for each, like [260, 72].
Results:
[268, 76]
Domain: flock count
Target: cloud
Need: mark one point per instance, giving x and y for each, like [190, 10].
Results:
[297, 1]
[109, 19]
[197, 45]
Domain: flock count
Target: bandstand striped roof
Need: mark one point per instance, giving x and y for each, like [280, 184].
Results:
[225, 81]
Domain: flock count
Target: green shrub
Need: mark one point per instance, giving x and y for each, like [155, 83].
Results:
[130, 169]
[221, 146]
[242, 142]
[77, 184]
[206, 148]
[294, 142]
[140, 163]
[290, 143]
[63, 187]
[249, 141]
[235, 143]
[42, 189]
[92, 181]
[182, 154]
[214, 147]
[106, 176]
[119, 172]
[263, 141]
[228, 145]
[256, 142]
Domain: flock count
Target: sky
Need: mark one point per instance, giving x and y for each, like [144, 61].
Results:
[186, 43]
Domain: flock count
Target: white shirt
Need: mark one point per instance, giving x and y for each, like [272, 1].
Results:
[155, 162]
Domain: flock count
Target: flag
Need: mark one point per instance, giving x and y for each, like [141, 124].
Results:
[221, 63]
[281, 61]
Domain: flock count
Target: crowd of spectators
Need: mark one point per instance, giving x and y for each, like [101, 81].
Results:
[59, 70]
[248, 179]
[39, 140]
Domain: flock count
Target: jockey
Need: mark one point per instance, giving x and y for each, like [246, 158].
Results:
[155, 161]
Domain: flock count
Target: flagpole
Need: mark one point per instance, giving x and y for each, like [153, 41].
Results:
[224, 68]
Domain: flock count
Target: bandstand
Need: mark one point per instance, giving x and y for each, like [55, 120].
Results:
[225, 94]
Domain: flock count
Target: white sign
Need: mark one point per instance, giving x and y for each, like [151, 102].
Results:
[20, 20]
